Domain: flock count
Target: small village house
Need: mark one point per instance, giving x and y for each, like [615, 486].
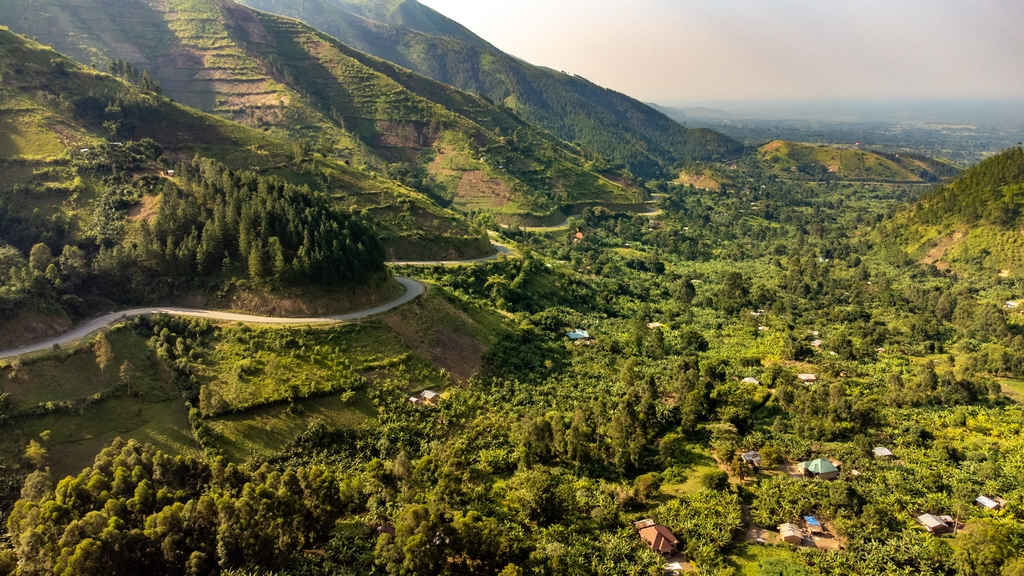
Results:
[819, 469]
[752, 459]
[882, 452]
[658, 537]
[430, 397]
[935, 524]
[578, 334]
[994, 503]
[814, 525]
[807, 378]
[750, 380]
[791, 533]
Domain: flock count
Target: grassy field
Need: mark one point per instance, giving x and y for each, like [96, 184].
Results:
[73, 435]
[75, 439]
[260, 433]
[761, 560]
[74, 374]
[247, 367]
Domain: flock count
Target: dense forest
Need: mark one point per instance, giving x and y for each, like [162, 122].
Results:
[213, 225]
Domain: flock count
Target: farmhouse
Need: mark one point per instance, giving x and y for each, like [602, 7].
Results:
[752, 459]
[882, 452]
[791, 534]
[658, 537]
[935, 524]
[994, 503]
[821, 469]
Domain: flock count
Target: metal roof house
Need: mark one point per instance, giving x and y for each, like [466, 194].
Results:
[791, 533]
[934, 524]
[807, 378]
[752, 458]
[579, 335]
[995, 503]
[882, 452]
[821, 469]
[658, 537]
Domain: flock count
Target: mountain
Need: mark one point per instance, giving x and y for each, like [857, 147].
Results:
[810, 161]
[573, 108]
[298, 84]
[971, 224]
[411, 15]
[52, 108]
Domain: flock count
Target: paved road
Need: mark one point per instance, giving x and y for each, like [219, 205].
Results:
[499, 249]
[413, 289]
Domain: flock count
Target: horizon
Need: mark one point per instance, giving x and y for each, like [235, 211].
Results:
[702, 52]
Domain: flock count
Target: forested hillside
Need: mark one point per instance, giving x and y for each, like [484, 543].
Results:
[971, 224]
[769, 319]
[574, 109]
[278, 75]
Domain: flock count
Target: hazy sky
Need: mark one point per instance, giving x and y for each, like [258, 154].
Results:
[706, 51]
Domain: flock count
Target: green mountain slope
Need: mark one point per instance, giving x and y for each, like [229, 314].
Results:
[972, 224]
[796, 160]
[51, 108]
[412, 15]
[284, 77]
[574, 109]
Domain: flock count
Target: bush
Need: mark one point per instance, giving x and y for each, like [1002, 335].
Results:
[717, 480]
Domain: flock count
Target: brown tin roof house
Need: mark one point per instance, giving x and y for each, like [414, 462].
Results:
[658, 537]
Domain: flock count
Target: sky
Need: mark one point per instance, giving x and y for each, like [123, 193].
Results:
[704, 52]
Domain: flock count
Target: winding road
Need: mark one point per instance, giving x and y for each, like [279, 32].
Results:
[413, 289]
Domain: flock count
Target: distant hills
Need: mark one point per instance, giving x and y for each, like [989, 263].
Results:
[972, 224]
[295, 83]
[573, 108]
[809, 161]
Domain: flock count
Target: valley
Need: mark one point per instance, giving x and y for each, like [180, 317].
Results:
[338, 287]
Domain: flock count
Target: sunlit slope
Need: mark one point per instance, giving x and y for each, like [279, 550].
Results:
[972, 224]
[285, 78]
[52, 107]
[574, 109]
[792, 159]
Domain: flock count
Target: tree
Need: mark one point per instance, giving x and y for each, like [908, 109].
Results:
[127, 372]
[40, 257]
[104, 352]
[36, 454]
[985, 546]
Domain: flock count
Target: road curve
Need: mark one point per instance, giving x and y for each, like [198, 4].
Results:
[413, 290]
